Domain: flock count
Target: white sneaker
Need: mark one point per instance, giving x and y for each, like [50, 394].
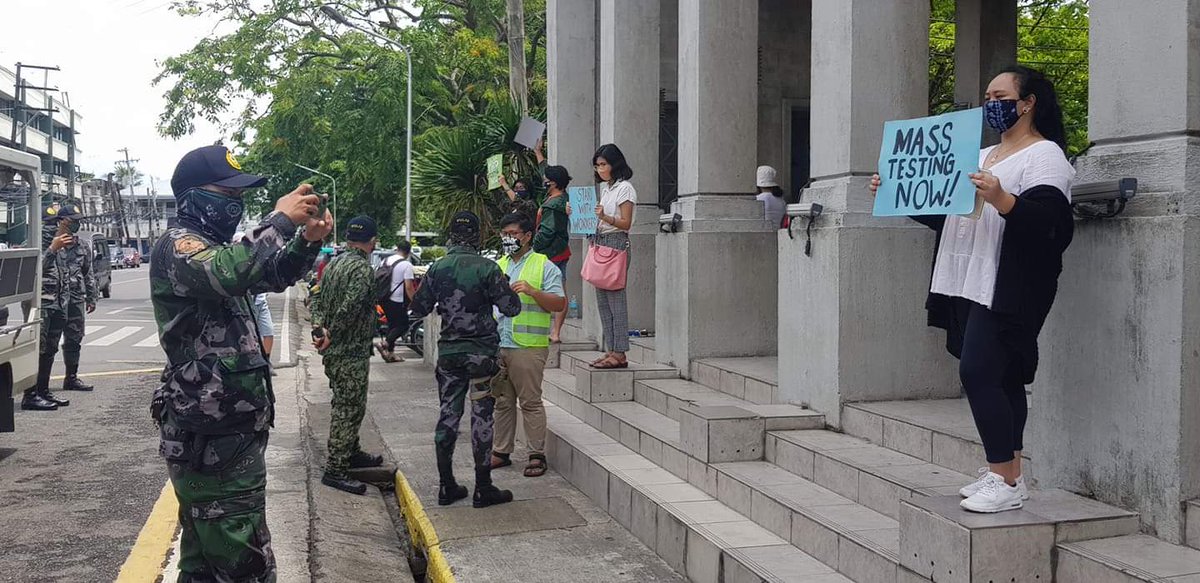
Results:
[970, 489]
[993, 496]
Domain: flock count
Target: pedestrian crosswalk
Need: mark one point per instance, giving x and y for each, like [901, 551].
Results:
[143, 336]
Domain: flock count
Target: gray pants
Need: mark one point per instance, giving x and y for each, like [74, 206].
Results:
[613, 305]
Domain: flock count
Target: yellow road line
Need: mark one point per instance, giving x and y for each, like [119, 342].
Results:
[420, 529]
[110, 373]
[149, 553]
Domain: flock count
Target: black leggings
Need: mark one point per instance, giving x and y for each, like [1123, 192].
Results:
[990, 375]
[397, 317]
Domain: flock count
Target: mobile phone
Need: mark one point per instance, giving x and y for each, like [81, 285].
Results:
[63, 229]
[322, 203]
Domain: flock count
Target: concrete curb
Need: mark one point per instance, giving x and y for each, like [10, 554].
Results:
[421, 532]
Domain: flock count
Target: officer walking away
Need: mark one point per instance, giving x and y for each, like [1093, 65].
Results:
[465, 286]
[343, 327]
[66, 270]
[215, 405]
[524, 343]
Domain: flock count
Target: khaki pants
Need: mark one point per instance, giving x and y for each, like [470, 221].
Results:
[525, 367]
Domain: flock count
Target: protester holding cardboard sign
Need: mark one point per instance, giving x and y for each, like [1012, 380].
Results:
[995, 277]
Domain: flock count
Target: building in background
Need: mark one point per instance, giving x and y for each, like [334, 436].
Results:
[45, 126]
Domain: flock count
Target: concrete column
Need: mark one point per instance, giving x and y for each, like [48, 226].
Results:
[985, 42]
[851, 317]
[571, 103]
[716, 277]
[1115, 404]
[629, 108]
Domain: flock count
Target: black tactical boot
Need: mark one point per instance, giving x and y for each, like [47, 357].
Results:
[363, 459]
[72, 383]
[344, 484]
[490, 495]
[35, 402]
[450, 493]
[43, 381]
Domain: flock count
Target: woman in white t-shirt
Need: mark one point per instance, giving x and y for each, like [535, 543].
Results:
[995, 277]
[771, 195]
[615, 213]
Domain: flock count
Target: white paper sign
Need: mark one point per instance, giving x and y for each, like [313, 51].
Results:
[530, 132]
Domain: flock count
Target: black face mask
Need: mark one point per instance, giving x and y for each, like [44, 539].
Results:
[212, 213]
[523, 194]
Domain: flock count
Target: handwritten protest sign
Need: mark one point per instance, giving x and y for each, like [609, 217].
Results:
[495, 165]
[924, 165]
[583, 209]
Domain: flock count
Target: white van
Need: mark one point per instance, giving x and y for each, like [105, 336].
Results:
[20, 277]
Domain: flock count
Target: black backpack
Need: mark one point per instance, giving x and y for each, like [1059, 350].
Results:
[383, 281]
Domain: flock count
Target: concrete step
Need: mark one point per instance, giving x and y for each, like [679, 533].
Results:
[942, 542]
[869, 474]
[641, 349]
[696, 535]
[1126, 559]
[752, 378]
[1192, 523]
[572, 331]
[669, 396]
[938, 431]
[604, 385]
[555, 353]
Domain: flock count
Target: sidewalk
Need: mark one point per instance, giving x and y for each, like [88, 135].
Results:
[550, 533]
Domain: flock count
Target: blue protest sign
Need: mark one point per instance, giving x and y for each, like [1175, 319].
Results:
[583, 209]
[924, 165]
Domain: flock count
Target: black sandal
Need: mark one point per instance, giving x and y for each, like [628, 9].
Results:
[536, 467]
[505, 460]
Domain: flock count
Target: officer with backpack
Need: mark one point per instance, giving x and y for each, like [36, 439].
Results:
[343, 326]
[395, 284]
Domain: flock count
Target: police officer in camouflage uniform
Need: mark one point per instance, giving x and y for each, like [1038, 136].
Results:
[464, 286]
[215, 405]
[68, 290]
[344, 325]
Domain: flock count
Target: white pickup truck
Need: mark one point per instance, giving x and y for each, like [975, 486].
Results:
[20, 277]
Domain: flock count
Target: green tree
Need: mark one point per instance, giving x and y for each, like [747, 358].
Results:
[1052, 36]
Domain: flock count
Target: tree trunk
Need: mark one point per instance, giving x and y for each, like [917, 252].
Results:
[518, 87]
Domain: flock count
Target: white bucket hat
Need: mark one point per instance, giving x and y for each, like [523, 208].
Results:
[766, 177]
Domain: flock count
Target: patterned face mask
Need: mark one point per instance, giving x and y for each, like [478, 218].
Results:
[510, 245]
[1001, 114]
[212, 213]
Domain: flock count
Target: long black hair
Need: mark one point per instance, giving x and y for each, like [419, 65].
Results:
[616, 160]
[1047, 115]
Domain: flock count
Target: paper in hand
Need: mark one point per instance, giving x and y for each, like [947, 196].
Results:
[530, 132]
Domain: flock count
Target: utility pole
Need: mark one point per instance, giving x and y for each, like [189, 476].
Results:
[129, 177]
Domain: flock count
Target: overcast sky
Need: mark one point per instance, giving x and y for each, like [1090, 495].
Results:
[108, 51]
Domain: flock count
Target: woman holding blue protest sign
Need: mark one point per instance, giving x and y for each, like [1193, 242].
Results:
[995, 277]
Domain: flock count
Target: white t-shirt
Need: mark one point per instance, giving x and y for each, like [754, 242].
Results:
[402, 270]
[969, 252]
[611, 198]
[774, 206]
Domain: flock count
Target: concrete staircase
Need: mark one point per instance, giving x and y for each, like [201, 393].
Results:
[725, 484]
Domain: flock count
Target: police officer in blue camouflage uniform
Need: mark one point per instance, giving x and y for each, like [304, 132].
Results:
[464, 287]
[216, 404]
[68, 289]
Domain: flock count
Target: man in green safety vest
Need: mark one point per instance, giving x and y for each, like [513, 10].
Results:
[524, 343]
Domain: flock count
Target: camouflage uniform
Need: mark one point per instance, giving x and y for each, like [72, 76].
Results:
[216, 404]
[465, 286]
[68, 287]
[346, 308]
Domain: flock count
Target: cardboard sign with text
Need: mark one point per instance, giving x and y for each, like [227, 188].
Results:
[924, 165]
[495, 165]
[583, 209]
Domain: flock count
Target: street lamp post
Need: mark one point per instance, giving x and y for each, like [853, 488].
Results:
[337, 16]
[334, 181]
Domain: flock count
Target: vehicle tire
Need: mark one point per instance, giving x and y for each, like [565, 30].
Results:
[106, 292]
[416, 337]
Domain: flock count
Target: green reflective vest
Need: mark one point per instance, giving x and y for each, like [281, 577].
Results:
[531, 328]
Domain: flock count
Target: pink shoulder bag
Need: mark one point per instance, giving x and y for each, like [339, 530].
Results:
[605, 267]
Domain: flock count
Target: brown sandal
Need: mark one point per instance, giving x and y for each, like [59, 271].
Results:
[536, 466]
[611, 363]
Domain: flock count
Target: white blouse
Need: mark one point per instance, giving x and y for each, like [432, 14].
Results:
[969, 252]
[611, 198]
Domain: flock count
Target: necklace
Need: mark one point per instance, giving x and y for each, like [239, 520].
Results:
[995, 158]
